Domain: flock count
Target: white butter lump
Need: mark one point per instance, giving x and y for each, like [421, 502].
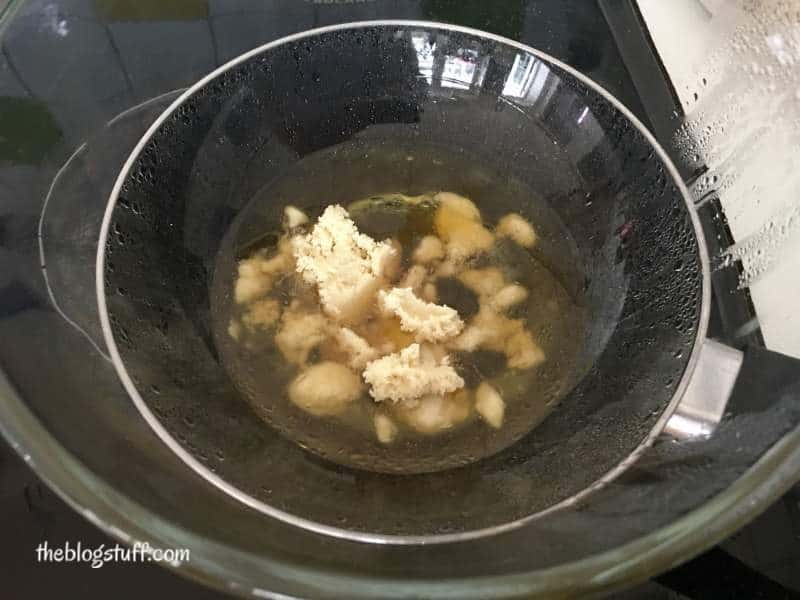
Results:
[487, 330]
[300, 332]
[448, 268]
[493, 331]
[484, 282]
[509, 296]
[429, 249]
[234, 329]
[293, 217]
[408, 376]
[325, 389]
[414, 278]
[347, 266]
[428, 321]
[458, 223]
[518, 229]
[257, 273]
[252, 283]
[262, 313]
[436, 414]
[385, 429]
[458, 206]
[490, 405]
[430, 293]
[358, 350]
[523, 352]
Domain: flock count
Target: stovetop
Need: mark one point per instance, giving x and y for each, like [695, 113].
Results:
[603, 39]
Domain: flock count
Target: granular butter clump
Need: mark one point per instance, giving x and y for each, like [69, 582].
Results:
[347, 266]
[428, 321]
[409, 375]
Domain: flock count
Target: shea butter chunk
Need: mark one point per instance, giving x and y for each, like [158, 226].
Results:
[405, 376]
[358, 350]
[518, 229]
[347, 266]
[490, 405]
[325, 389]
[428, 321]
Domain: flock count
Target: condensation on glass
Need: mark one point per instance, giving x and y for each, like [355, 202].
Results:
[737, 74]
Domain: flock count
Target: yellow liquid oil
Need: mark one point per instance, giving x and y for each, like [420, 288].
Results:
[553, 311]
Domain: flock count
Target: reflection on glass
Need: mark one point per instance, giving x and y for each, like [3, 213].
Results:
[425, 49]
[480, 71]
[459, 69]
[526, 79]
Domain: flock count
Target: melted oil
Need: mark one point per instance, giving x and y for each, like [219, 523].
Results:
[383, 179]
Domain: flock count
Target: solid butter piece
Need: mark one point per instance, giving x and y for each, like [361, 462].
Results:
[518, 229]
[385, 429]
[489, 405]
[429, 249]
[325, 389]
[436, 414]
[358, 350]
[299, 334]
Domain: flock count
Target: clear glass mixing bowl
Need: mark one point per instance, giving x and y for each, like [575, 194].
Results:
[64, 409]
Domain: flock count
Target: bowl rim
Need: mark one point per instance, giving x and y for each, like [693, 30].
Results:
[215, 563]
